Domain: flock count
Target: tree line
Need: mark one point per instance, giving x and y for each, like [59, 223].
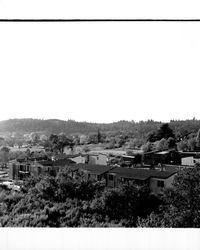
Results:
[138, 130]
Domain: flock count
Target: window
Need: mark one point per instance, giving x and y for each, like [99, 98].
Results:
[110, 177]
[24, 168]
[160, 184]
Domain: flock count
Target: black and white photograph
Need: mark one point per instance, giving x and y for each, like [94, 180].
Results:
[99, 122]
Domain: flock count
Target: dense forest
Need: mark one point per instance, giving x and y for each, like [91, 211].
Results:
[136, 129]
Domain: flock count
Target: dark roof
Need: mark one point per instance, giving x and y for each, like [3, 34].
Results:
[141, 174]
[188, 153]
[60, 162]
[162, 153]
[75, 155]
[67, 156]
[159, 152]
[63, 162]
[195, 156]
[151, 152]
[60, 156]
[22, 159]
[128, 156]
[25, 159]
[94, 169]
[93, 153]
[44, 163]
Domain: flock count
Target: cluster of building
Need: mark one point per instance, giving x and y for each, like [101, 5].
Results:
[157, 180]
[112, 170]
[154, 169]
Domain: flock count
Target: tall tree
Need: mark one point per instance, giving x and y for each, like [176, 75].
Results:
[162, 144]
[98, 136]
[198, 138]
[57, 143]
[192, 144]
[182, 145]
[4, 155]
[165, 132]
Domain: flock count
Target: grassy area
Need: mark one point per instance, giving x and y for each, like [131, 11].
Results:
[34, 148]
[100, 148]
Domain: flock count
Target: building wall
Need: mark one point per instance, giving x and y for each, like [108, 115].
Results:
[196, 160]
[98, 159]
[36, 169]
[13, 171]
[187, 161]
[16, 170]
[154, 184]
[88, 176]
[75, 150]
[79, 159]
[112, 182]
[117, 180]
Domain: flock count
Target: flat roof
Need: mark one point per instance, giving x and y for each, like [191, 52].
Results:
[60, 162]
[162, 153]
[75, 155]
[142, 174]
[93, 168]
[96, 153]
[63, 162]
[189, 152]
[129, 156]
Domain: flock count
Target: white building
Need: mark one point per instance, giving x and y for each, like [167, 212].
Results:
[190, 160]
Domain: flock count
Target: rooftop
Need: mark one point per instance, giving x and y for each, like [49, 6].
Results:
[189, 153]
[60, 162]
[75, 155]
[93, 168]
[162, 153]
[142, 174]
[128, 156]
[63, 162]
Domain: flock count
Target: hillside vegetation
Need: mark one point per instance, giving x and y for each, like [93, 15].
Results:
[136, 129]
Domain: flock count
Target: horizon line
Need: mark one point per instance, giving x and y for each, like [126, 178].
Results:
[94, 122]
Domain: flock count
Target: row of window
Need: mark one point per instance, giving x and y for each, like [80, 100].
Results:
[160, 184]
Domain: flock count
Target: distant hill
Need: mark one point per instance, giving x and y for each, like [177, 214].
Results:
[139, 129]
[68, 127]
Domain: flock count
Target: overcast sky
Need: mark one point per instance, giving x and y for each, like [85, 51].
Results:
[99, 9]
[99, 72]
